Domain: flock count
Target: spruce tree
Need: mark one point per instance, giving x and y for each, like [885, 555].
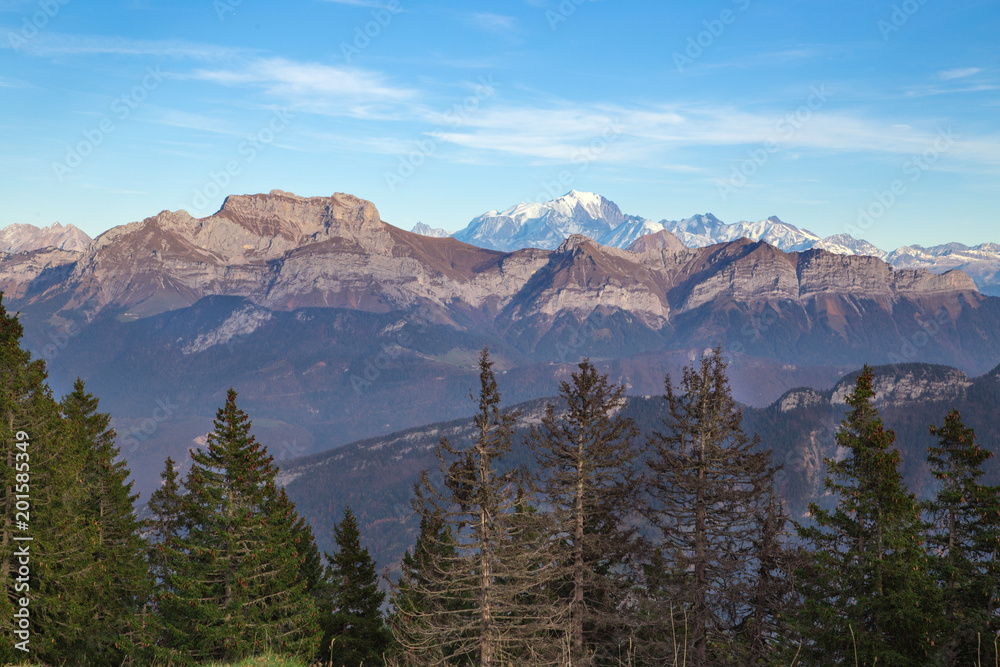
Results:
[355, 632]
[419, 604]
[491, 566]
[30, 428]
[708, 487]
[589, 486]
[866, 586]
[116, 579]
[242, 580]
[964, 543]
[168, 561]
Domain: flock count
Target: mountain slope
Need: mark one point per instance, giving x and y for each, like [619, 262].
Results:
[376, 476]
[336, 326]
[547, 225]
[22, 238]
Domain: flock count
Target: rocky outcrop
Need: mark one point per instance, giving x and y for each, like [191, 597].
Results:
[282, 252]
[32, 272]
[24, 238]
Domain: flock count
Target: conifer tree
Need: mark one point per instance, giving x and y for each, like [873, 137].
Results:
[241, 580]
[168, 559]
[418, 601]
[29, 434]
[487, 578]
[709, 485]
[589, 485]
[866, 585]
[116, 578]
[964, 544]
[87, 578]
[354, 633]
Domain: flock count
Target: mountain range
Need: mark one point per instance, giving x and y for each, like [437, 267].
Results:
[22, 238]
[376, 476]
[335, 326]
[546, 225]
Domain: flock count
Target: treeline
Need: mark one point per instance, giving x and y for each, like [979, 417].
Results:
[223, 569]
[682, 554]
[686, 556]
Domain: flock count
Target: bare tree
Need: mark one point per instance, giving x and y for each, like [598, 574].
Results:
[710, 485]
[589, 491]
[477, 583]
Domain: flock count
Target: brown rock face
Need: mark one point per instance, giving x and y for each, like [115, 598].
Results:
[282, 252]
[24, 238]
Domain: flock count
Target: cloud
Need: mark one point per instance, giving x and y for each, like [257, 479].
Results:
[493, 22]
[960, 73]
[564, 133]
[315, 87]
[54, 44]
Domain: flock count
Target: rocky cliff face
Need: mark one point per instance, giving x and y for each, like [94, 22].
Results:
[281, 252]
[24, 238]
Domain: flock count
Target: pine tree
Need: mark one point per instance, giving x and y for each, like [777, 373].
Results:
[167, 560]
[866, 585]
[29, 434]
[241, 580]
[709, 485]
[491, 567]
[419, 603]
[116, 579]
[589, 485]
[355, 633]
[964, 543]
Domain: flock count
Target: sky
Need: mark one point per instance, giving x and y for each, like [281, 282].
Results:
[877, 118]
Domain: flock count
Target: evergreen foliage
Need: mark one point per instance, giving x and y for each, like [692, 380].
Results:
[239, 590]
[866, 584]
[964, 544]
[354, 633]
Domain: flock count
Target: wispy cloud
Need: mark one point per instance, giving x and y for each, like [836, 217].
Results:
[54, 44]
[563, 134]
[490, 22]
[314, 87]
[960, 73]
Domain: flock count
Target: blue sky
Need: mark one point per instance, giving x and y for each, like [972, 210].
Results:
[812, 110]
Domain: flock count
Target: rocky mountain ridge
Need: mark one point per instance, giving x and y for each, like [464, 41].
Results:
[16, 238]
[336, 326]
[375, 476]
[545, 225]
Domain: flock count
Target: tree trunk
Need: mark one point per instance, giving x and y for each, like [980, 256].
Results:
[578, 649]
